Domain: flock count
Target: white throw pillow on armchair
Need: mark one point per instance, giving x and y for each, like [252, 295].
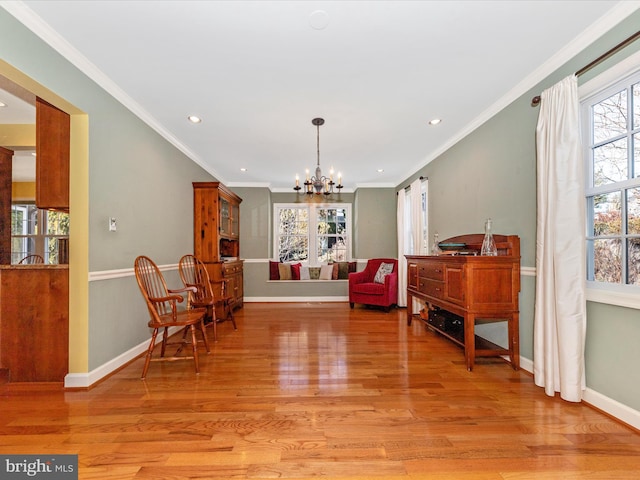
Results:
[383, 270]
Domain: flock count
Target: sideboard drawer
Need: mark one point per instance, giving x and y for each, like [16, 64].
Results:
[434, 271]
[430, 287]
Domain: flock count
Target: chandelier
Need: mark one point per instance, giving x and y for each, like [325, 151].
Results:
[318, 183]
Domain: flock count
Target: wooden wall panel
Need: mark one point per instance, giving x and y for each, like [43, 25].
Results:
[34, 322]
[53, 129]
[6, 159]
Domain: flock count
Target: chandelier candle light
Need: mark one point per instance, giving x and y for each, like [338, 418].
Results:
[318, 183]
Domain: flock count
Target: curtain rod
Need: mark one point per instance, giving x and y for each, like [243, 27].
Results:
[535, 101]
[409, 186]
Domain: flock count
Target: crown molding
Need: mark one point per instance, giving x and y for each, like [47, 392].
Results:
[39, 27]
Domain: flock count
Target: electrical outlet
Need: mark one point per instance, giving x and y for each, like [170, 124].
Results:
[112, 224]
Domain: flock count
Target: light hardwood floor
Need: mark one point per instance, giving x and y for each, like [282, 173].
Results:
[308, 390]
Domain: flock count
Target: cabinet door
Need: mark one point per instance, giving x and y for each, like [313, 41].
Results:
[225, 217]
[53, 129]
[454, 284]
[235, 220]
[205, 227]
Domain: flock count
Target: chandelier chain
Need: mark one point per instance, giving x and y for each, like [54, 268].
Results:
[318, 183]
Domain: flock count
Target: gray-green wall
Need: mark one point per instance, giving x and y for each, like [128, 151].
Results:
[492, 173]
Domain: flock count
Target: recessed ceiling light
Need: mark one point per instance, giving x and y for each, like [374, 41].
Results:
[243, 169]
[319, 20]
[194, 119]
[2, 104]
[380, 170]
[435, 121]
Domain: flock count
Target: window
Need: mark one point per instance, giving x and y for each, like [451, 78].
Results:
[313, 234]
[611, 120]
[27, 238]
[422, 247]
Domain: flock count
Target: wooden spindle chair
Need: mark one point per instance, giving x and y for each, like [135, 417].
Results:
[162, 305]
[194, 274]
[33, 259]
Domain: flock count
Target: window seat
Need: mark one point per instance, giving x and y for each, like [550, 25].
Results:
[283, 271]
[308, 281]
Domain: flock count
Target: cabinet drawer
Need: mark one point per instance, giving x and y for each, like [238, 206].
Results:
[432, 288]
[434, 271]
[231, 269]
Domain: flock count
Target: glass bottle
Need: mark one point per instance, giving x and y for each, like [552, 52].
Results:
[488, 244]
[435, 248]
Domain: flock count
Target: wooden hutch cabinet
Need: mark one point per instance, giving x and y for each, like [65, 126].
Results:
[463, 289]
[216, 235]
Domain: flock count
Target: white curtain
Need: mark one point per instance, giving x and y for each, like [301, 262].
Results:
[424, 246]
[410, 235]
[415, 194]
[560, 307]
[402, 262]
[417, 238]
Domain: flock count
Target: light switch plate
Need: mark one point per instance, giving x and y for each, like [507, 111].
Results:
[112, 224]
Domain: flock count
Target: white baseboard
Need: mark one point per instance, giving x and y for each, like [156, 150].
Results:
[294, 299]
[608, 405]
[612, 407]
[526, 365]
[85, 380]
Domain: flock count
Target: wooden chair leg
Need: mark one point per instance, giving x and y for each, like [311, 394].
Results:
[204, 336]
[147, 360]
[194, 346]
[230, 316]
[214, 321]
[165, 335]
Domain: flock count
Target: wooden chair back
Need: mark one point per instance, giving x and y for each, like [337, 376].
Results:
[32, 260]
[154, 289]
[193, 273]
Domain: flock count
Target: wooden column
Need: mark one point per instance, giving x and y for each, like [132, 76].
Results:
[6, 158]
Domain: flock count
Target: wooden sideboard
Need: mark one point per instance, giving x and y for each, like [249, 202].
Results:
[478, 289]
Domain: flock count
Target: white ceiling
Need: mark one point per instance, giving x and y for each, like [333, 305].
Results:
[258, 72]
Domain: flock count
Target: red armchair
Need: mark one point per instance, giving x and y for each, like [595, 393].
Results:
[363, 289]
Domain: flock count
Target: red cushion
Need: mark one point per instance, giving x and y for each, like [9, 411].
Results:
[274, 271]
[369, 288]
[295, 271]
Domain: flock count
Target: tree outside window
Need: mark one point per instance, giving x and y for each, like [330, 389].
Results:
[312, 234]
[613, 187]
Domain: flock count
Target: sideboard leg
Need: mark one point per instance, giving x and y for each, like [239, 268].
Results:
[469, 340]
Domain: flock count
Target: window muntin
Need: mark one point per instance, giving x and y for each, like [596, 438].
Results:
[613, 184]
[331, 235]
[28, 238]
[312, 234]
[292, 239]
